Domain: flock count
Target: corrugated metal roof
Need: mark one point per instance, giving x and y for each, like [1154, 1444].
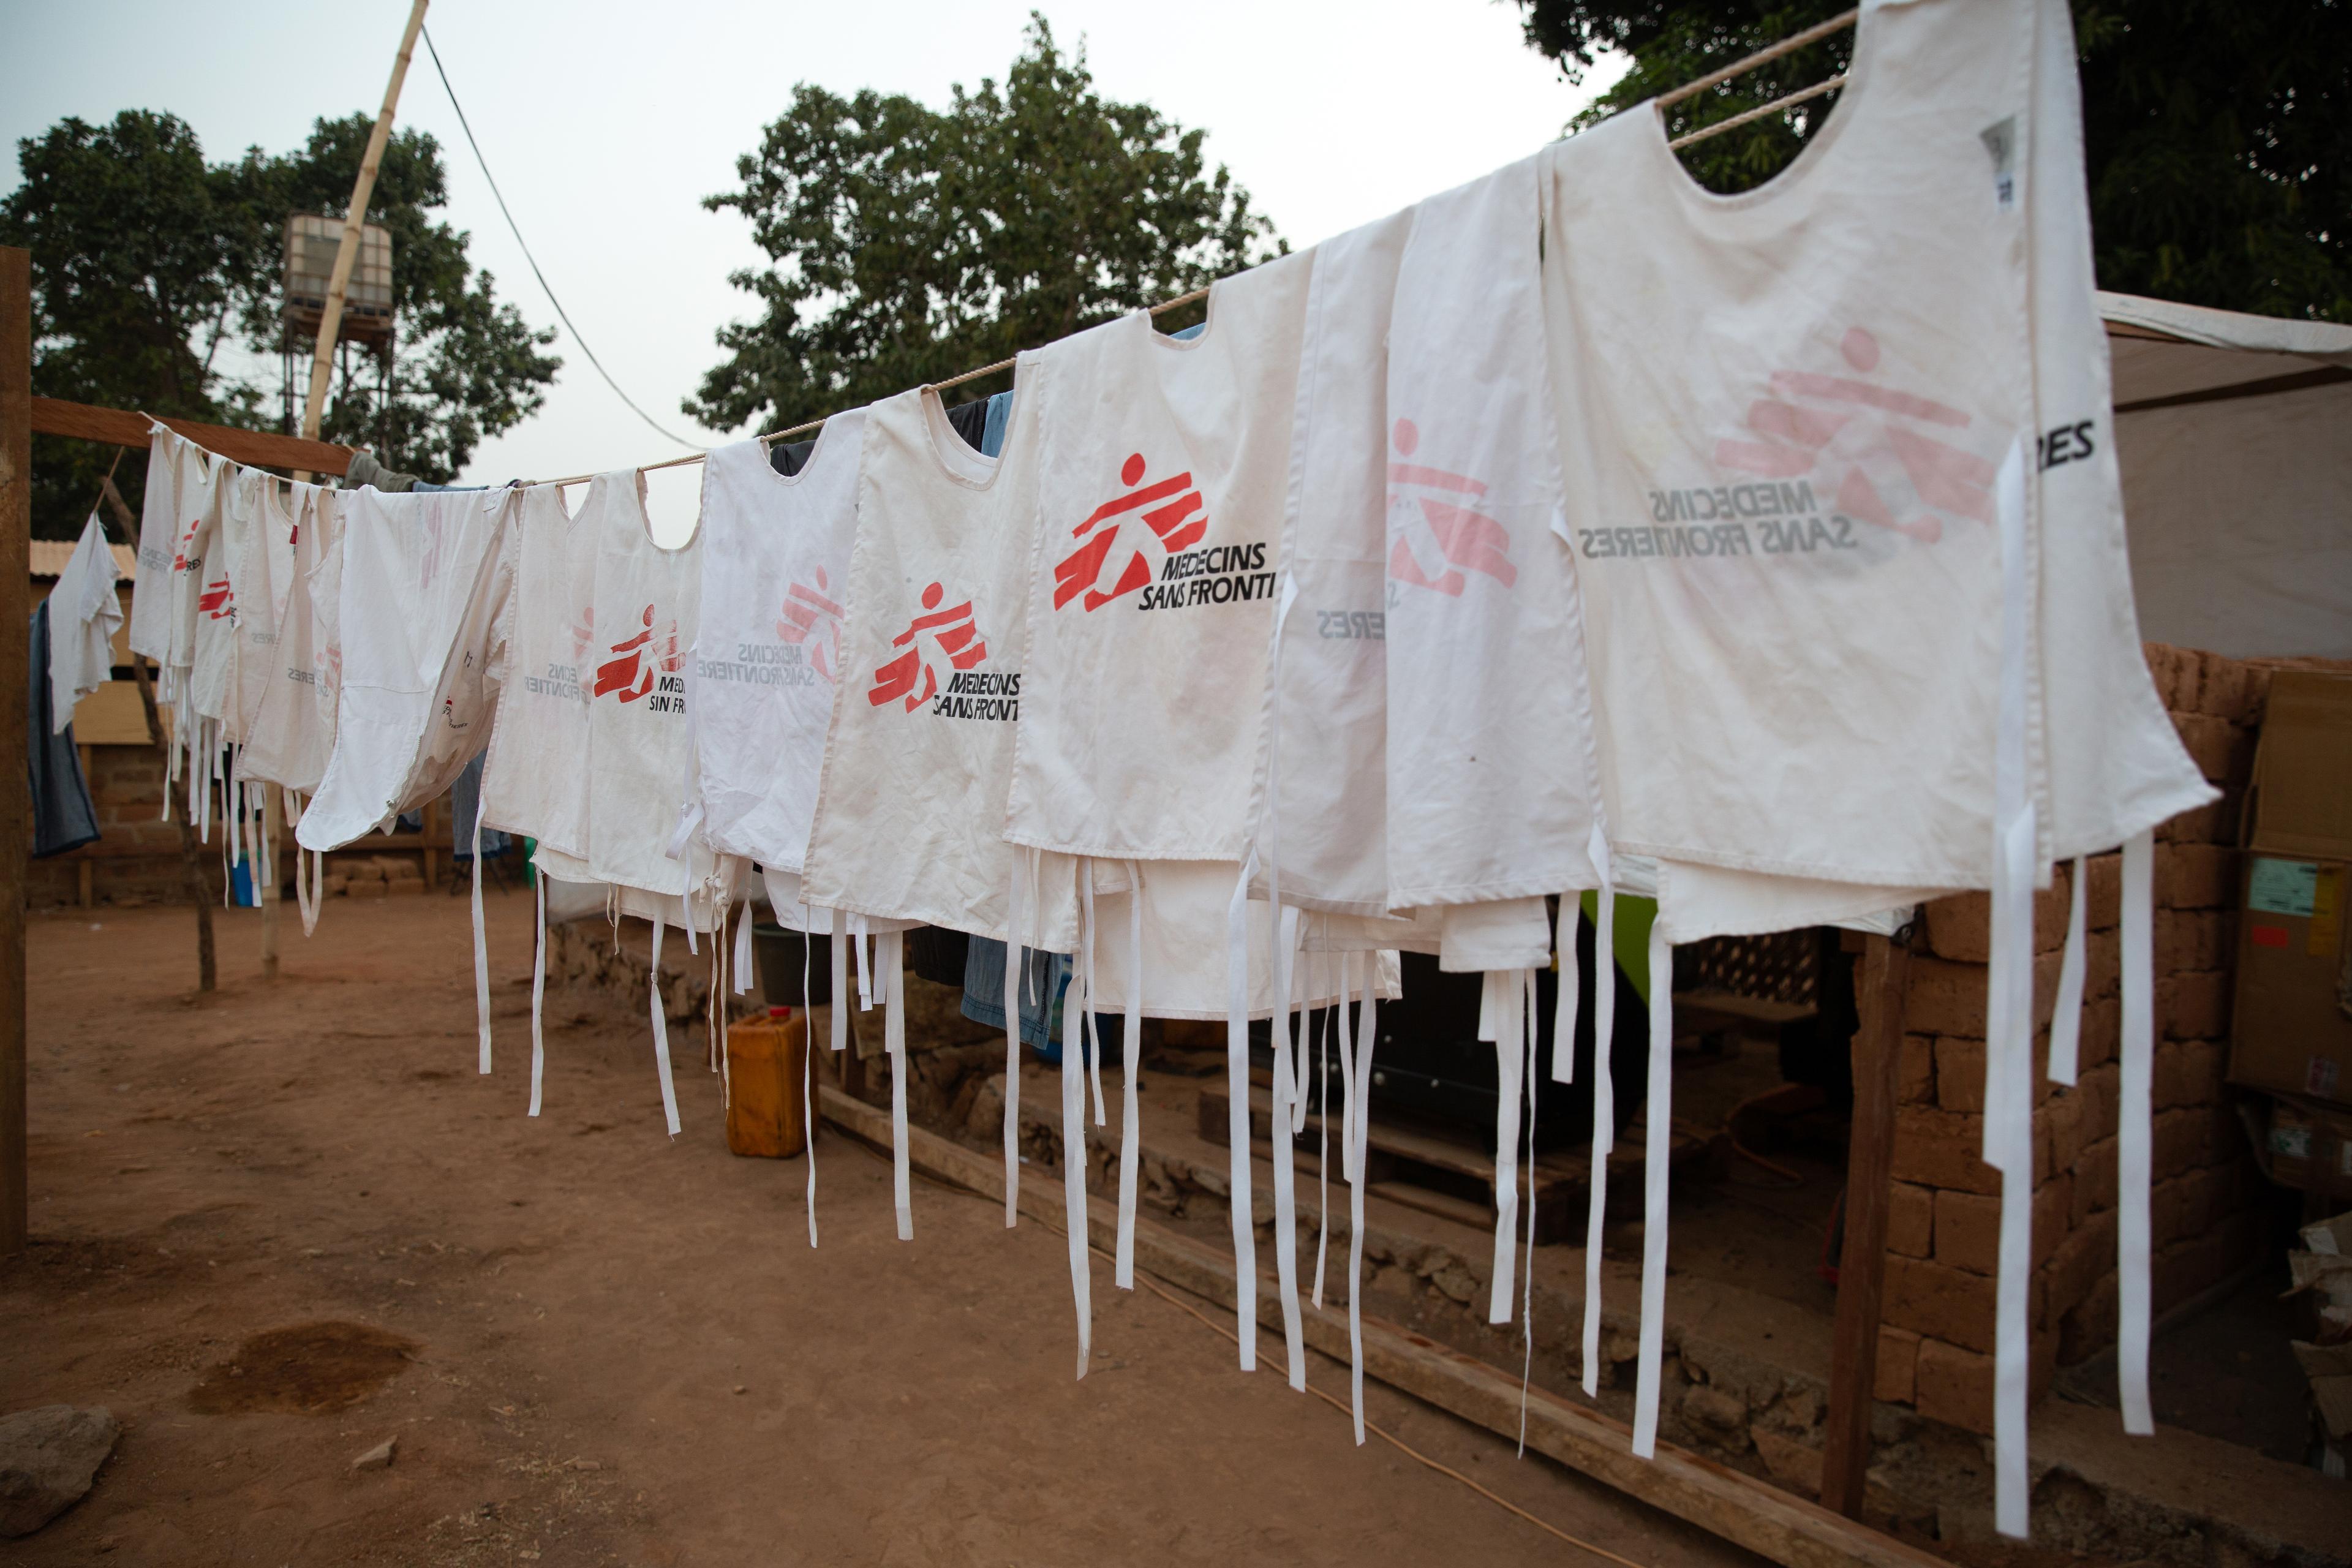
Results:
[50, 556]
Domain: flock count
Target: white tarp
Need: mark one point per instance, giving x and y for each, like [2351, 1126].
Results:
[2235, 437]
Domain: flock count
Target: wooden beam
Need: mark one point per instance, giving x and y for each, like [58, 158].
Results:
[1778, 1525]
[16, 787]
[1885, 968]
[121, 428]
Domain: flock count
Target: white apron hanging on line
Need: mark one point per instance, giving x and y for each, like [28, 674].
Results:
[261, 574]
[293, 727]
[640, 728]
[535, 775]
[423, 584]
[152, 597]
[775, 590]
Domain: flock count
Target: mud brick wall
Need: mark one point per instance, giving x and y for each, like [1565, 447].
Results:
[1937, 1339]
[137, 856]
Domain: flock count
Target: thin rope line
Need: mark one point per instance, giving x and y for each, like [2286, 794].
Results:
[516, 230]
[1387, 1436]
[1759, 111]
[1770, 52]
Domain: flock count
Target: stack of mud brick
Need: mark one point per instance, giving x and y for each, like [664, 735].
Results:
[137, 857]
[1935, 1344]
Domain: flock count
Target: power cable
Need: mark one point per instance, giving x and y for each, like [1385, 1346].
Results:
[517, 231]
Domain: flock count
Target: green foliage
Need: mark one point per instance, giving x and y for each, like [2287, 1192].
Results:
[156, 283]
[2217, 135]
[910, 244]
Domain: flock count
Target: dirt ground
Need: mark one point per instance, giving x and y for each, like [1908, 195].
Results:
[276, 1226]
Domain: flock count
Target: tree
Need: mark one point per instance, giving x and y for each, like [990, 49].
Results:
[2218, 136]
[157, 279]
[910, 244]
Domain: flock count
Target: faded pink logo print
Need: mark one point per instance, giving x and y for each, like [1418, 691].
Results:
[1443, 535]
[1897, 475]
[814, 621]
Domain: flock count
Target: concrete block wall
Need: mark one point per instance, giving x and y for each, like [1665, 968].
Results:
[1935, 1344]
[137, 856]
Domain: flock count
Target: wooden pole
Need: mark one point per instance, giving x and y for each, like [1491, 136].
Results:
[331, 327]
[15, 677]
[1861, 1264]
[192, 858]
[330, 320]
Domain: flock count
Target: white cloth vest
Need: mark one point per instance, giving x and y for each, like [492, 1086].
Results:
[1163, 471]
[159, 534]
[261, 574]
[293, 729]
[911, 798]
[640, 735]
[83, 615]
[422, 584]
[775, 590]
[535, 777]
[1493, 782]
[234, 539]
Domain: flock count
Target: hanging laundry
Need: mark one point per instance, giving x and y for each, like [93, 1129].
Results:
[768, 657]
[260, 561]
[63, 817]
[293, 729]
[640, 725]
[84, 612]
[422, 581]
[536, 770]
[159, 533]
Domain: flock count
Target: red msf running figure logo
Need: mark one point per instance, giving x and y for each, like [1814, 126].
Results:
[910, 675]
[216, 600]
[1893, 473]
[813, 620]
[1175, 520]
[1441, 533]
[630, 673]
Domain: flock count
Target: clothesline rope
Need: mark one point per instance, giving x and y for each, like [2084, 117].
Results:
[1713, 78]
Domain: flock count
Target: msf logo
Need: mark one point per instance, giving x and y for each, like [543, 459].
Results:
[629, 673]
[1876, 441]
[1441, 535]
[1172, 518]
[812, 621]
[911, 677]
[217, 601]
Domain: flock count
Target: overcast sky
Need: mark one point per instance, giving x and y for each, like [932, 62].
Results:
[605, 124]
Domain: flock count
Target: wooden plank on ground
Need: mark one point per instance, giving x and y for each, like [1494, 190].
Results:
[124, 427]
[1748, 1512]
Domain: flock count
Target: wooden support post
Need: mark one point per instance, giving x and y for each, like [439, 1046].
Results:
[1861, 1264]
[16, 676]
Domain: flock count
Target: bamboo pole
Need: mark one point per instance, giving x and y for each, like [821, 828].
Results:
[314, 404]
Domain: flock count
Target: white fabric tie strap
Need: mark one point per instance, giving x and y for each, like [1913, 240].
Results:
[1506, 1000]
[481, 951]
[1604, 1116]
[1528, 1269]
[1657, 1160]
[1014, 969]
[1566, 1002]
[808, 1088]
[1323, 1041]
[2008, 1014]
[839, 949]
[538, 994]
[864, 963]
[2134, 1131]
[894, 1043]
[661, 1035]
[1131, 1134]
[744, 969]
[1089, 1033]
[1073, 1160]
[302, 898]
[2066, 1020]
[1237, 1087]
[1286, 1174]
[1354, 1140]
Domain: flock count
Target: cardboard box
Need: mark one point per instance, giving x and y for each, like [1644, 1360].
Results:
[2308, 1147]
[2292, 1029]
